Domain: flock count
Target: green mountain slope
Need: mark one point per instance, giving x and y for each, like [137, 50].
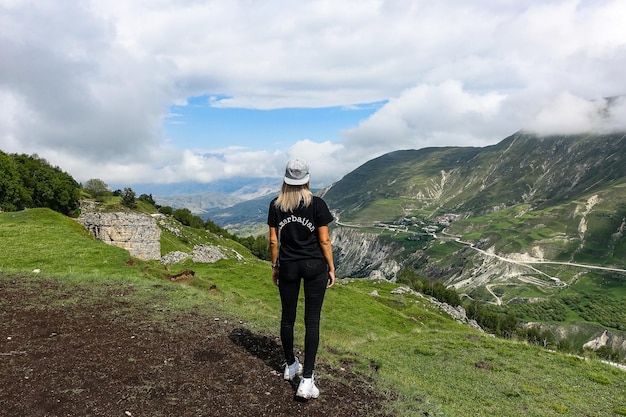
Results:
[563, 196]
[534, 223]
[424, 361]
[523, 168]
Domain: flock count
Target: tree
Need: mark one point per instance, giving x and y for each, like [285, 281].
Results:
[148, 199]
[509, 325]
[46, 186]
[96, 188]
[212, 227]
[409, 276]
[184, 216]
[167, 210]
[609, 354]
[261, 248]
[128, 198]
[12, 192]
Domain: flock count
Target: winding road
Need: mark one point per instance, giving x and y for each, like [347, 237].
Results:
[528, 264]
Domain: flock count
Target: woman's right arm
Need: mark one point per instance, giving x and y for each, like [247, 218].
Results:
[274, 253]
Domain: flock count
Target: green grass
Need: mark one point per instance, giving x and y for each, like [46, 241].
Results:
[175, 237]
[432, 364]
[444, 249]
[57, 245]
[380, 210]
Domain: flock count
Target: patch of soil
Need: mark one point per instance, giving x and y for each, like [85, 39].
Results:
[106, 358]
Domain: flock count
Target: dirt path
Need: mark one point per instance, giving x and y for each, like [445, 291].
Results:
[498, 301]
[108, 359]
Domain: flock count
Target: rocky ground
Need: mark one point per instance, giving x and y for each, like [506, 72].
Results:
[114, 358]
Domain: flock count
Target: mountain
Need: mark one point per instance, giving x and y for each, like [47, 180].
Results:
[197, 203]
[245, 188]
[204, 199]
[522, 169]
[557, 198]
[536, 225]
[244, 218]
[563, 197]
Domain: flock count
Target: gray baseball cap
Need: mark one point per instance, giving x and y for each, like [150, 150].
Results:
[297, 172]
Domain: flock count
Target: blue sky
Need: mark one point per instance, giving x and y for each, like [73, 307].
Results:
[187, 91]
[201, 125]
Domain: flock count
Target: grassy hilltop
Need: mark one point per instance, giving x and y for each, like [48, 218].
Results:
[416, 356]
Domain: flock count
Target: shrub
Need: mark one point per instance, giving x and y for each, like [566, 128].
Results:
[167, 210]
[128, 198]
[96, 188]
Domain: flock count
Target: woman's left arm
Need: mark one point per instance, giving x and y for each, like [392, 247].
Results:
[323, 237]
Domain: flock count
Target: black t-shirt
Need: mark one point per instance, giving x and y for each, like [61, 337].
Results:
[297, 230]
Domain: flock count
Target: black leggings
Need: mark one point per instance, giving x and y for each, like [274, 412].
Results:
[314, 272]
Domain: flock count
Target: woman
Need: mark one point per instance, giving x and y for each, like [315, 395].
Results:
[300, 250]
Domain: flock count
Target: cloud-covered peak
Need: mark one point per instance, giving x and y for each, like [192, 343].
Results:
[568, 114]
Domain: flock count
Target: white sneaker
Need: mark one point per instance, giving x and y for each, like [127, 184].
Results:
[292, 370]
[307, 388]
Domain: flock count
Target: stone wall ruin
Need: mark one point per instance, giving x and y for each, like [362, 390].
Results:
[138, 233]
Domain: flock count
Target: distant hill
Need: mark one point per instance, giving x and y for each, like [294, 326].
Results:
[243, 218]
[243, 188]
[215, 200]
[198, 203]
[558, 198]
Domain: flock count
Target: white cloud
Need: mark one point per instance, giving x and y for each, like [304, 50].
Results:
[13, 119]
[429, 115]
[88, 85]
[569, 114]
[324, 159]
[82, 94]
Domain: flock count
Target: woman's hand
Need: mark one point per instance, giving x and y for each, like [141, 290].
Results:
[275, 276]
[331, 279]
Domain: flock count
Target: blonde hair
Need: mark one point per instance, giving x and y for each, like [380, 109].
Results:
[291, 196]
